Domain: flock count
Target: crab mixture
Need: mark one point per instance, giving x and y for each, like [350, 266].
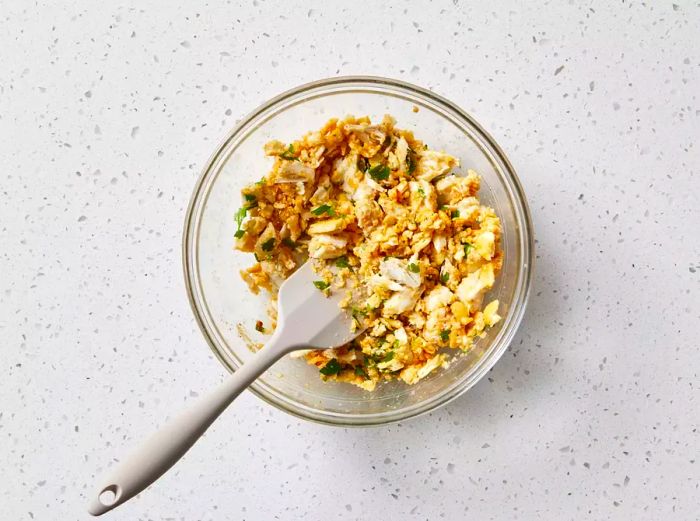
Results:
[388, 223]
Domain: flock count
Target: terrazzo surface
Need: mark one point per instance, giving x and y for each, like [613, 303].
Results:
[107, 114]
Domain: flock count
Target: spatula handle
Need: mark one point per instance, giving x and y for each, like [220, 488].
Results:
[167, 445]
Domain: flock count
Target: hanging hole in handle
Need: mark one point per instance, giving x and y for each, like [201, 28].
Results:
[110, 495]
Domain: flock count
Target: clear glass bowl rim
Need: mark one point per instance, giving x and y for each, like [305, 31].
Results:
[521, 211]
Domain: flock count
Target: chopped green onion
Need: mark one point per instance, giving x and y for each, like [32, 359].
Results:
[454, 214]
[421, 191]
[332, 367]
[342, 262]
[467, 247]
[387, 357]
[289, 154]
[324, 208]
[268, 244]
[444, 277]
[322, 284]
[379, 172]
[413, 267]
[239, 234]
[250, 197]
[359, 371]
[289, 243]
[359, 312]
[240, 215]
[445, 335]
[411, 161]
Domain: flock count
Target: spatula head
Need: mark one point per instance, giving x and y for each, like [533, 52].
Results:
[310, 316]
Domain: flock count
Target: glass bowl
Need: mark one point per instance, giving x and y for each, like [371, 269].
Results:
[225, 308]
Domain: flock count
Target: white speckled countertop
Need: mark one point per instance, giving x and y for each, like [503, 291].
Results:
[107, 115]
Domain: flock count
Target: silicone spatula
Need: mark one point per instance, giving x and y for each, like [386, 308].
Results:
[307, 318]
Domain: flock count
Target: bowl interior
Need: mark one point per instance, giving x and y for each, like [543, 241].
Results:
[225, 307]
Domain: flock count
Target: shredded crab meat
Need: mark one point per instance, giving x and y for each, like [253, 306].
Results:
[389, 222]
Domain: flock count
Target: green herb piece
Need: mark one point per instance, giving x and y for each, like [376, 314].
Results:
[322, 284]
[342, 262]
[442, 207]
[421, 192]
[268, 244]
[240, 215]
[256, 256]
[357, 312]
[444, 277]
[467, 247]
[411, 161]
[379, 172]
[324, 208]
[413, 267]
[387, 357]
[250, 197]
[454, 214]
[289, 154]
[332, 367]
[445, 335]
[362, 164]
[261, 182]
[289, 243]
[359, 371]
